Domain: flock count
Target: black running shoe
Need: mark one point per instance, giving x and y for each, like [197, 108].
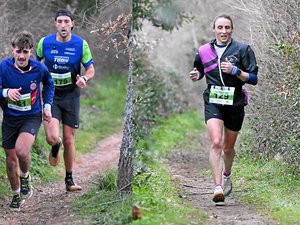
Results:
[26, 189]
[16, 203]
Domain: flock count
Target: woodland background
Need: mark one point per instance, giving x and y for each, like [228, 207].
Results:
[160, 85]
[270, 28]
[38, 18]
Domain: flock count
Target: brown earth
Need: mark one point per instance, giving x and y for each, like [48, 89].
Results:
[189, 169]
[50, 203]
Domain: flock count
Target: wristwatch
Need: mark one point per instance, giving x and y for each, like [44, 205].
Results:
[85, 78]
[238, 72]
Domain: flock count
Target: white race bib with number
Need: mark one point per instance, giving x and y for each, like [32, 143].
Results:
[62, 79]
[24, 104]
[221, 95]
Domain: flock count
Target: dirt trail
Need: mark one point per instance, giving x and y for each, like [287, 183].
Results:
[50, 204]
[188, 167]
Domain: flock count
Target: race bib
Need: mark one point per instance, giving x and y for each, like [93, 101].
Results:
[24, 104]
[221, 95]
[62, 79]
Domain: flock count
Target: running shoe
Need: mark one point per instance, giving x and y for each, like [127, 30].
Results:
[54, 156]
[26, 189]
[219, 197]
[71, 186]
[16, 203]
[227, 185]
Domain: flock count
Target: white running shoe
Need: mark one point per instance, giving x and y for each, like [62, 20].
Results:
[219, 196]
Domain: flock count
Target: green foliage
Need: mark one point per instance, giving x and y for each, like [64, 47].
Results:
[103, 204]
[166, 14]
[153, 96]
[271, 186]
[273, 120]
[156, 88]
[285, 48]
[102, 110]
[141, 10]
[107, 181]
[168, 134]
[4, 184]
[153, 188]
[147, 96]
[276, 101]
[290, 95]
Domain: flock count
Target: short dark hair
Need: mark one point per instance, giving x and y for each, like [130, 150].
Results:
[64, 12]
[223, 16]
[23, 40]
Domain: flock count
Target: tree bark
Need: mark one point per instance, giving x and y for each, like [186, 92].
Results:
[125, 162]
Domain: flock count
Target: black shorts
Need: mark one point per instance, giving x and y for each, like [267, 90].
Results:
[233, 116]
[12, 126]
[67, 111]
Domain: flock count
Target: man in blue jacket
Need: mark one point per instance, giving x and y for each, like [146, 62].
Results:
[21, 78]
[227, 65]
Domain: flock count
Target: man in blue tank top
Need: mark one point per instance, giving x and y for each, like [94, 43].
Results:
[21, 78]
[63, 54]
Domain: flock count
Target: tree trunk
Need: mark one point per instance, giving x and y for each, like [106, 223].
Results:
[125, 161]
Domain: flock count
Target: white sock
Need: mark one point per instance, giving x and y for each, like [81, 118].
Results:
[17, 191]
[24, 175]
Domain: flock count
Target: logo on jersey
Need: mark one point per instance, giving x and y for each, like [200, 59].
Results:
[70, 49]
[61, 59]
[54, 51]
[69, 53]
[34, 97]
[232, 59]
[33, 86]
[60, 67]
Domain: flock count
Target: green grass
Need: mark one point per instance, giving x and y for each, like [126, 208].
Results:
[102, 114]
[103, 204]
[160, 203]
[176, 130]
[272, 187]
[102, 109]
[154, 190]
